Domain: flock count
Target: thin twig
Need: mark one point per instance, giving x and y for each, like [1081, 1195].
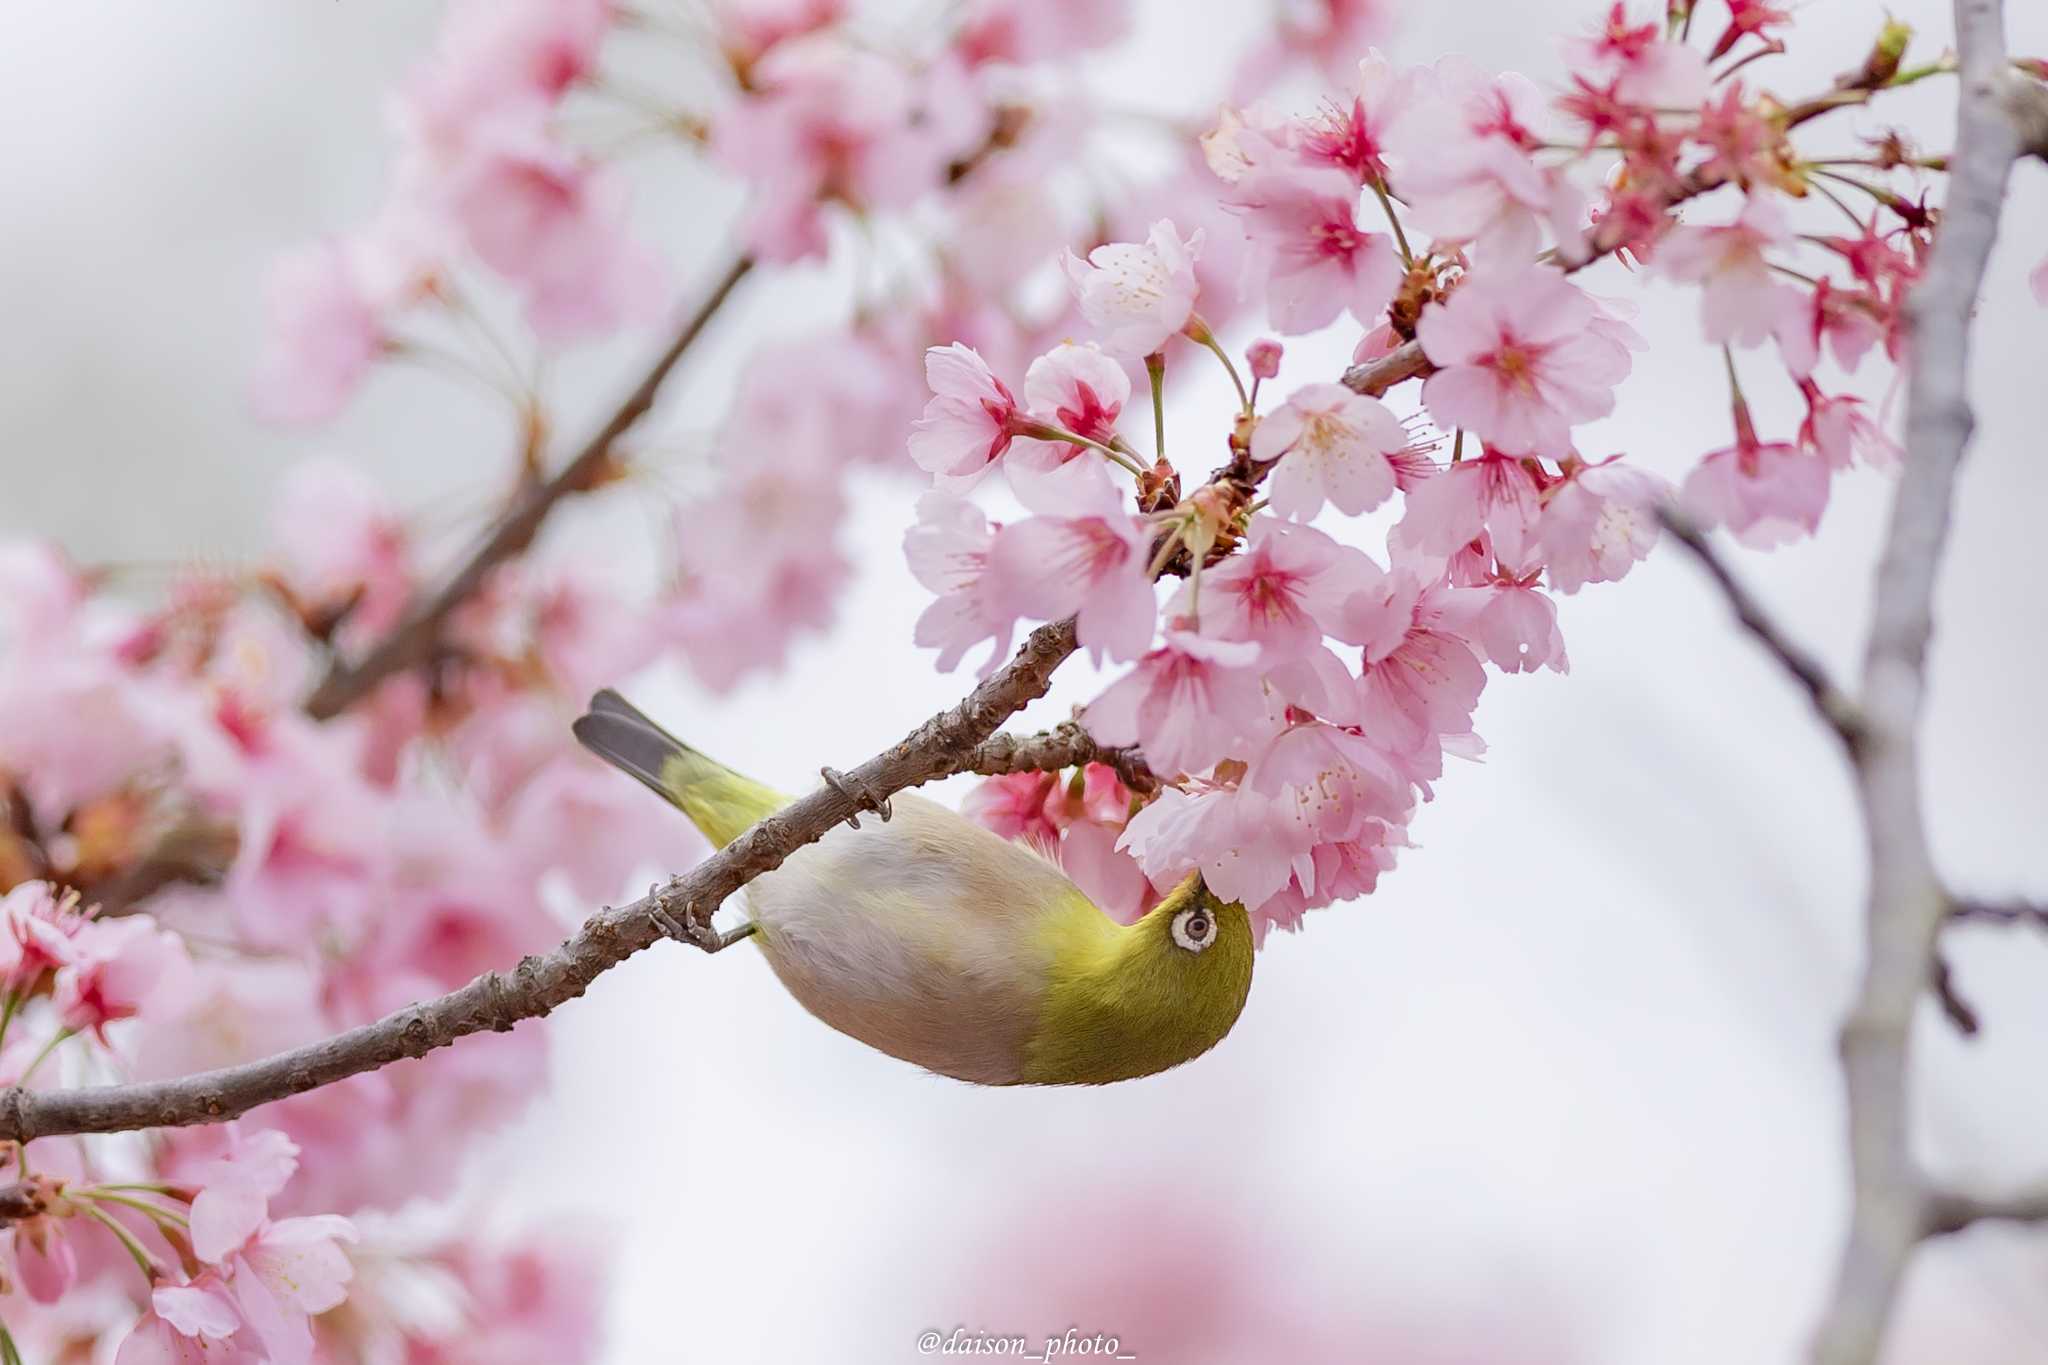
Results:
[1066, 745]
[413, 641]
[1836, 707]
[1948, 1212]
[499, 1000]
[2000, 912]
[1374, 377]
[1906, 903]
[1959, 1012]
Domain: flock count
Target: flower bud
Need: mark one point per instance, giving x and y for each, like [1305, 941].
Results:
[1264, 357]
[1883, 62]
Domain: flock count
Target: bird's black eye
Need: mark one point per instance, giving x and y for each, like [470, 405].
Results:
[1192, 929]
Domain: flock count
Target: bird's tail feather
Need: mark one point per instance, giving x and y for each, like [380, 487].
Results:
[718, 800]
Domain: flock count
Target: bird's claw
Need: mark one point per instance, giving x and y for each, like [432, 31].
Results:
[858, 792]
[688, 930]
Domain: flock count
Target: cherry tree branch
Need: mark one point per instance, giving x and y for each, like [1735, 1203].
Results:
[1835, 706]
[499, 1000]
[1948, 1212]
[1066, 745]
[2000, 912]
[1374, 377]
[1906, 905]
[413, 641]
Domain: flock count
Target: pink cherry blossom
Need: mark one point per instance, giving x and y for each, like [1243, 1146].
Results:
[1353, 138]
[1638, 63]
[41, 592]
[1246, 138]
[44, 1259]
[1749, 17]
[1519, 363]
[1111, 878]
[1187, 704]
[1078, 389]
[1087, 816]
[325, 334]
[1316, 683]
[115, 966]
[747, 29]
[1766, 493]
[1280, 590]
[1463, 162]
[826, 120]
[289, 1272]
[1318, 261]
[1845, 321]
[1516, 628]
[575, 819]
[1100, 798]
[1334, 446]
[555, 224]
[1015, 805]
[538, 1302]
[579, 623]
[190, 1324]
[1842, 431]
[1742, 301]
[1598, 523]
[1001, 225]
[1742, 139]
[504, 51]
[340, 542]
[1330, 780]
[1086, 556]
[1335, 872]
[1493, 494]
[948, 551]
[758, 558]
[853, 398]
[38, 931]
[971, 419]
[1424, 690]
[235, 1190]
[1020, 32]
[1243, 843]
[1138, 294]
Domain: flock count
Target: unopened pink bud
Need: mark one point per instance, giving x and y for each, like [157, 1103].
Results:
[1264, 355]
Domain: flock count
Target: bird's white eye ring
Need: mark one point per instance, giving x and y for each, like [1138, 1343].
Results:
[1194, 928]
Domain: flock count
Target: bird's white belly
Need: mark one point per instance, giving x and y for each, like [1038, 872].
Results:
[917, 937]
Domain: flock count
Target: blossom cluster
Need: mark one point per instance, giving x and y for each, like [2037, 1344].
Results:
[200, 866]
[1299, 693]
[198, 873]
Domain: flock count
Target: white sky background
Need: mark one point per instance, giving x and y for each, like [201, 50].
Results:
[1565, 1084]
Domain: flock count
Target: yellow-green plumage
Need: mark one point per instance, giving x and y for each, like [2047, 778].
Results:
[1124, 1001]
[936, 941]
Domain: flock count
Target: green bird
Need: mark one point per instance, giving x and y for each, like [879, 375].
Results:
[939, 942]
